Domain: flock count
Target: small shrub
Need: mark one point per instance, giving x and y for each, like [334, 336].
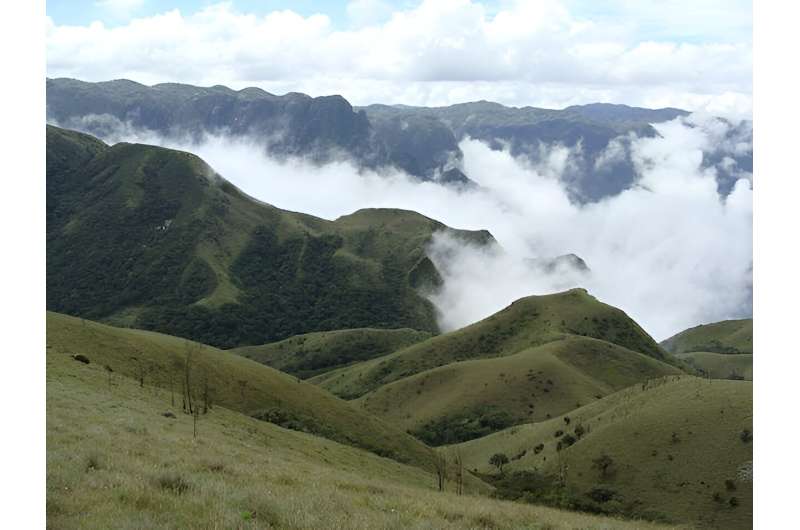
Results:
[746, 436]
[538, 449]
[601, 495]
[604, 464]
[566, 420]
[558, 433]
[93, 462]
[81, 358]
[173, 483]
[216, 468]
[734, 502]
[730, 485]
[579, 431]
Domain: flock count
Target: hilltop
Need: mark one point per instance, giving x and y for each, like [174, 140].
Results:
[528, 322]
[677, 449]
[153, 238]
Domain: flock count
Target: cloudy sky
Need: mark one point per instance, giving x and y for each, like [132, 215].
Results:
[693, 54]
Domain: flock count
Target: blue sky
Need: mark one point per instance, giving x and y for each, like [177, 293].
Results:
[697, 21]
[81, 12]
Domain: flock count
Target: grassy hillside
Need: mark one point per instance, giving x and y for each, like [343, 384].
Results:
[728, 336]
[233, 382]
[153, 238]
[721, 365]
[115, 461]
[527, 323]
[469, 399]
[316, 353]
[676, 449]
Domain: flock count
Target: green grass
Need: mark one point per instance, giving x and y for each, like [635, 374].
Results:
[680, 448]
[527, 323]
[236, 383]
[468, 399]
[721, 365]
[114, 461]
[315, 353]
[728, 336]
[167, 245]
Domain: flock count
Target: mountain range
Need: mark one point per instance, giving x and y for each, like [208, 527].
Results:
[421, 141]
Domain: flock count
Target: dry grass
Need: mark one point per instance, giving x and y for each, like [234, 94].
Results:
[114, 461]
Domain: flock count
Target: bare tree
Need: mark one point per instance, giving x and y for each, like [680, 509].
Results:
[458, 464]
[242, 388]
[186, 380]
[140, 369]
[206, 393]
[110, 372]
[440, 462]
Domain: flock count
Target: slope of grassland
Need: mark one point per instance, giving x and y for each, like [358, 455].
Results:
[166, 244]
[115, 461]
[676, 449]
[728, 336]
[527, 323]
[234, 382]
[312, 354]
[469, 399]
[720, 365]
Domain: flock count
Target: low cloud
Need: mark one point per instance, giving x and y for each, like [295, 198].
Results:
[670, 251]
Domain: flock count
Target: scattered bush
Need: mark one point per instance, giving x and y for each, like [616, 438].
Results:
[604, 464]
[498, 460]
[601, 494]
[173, 483]
[746, 436]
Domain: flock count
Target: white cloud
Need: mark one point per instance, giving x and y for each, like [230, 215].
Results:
[439, 52]
[670, 251]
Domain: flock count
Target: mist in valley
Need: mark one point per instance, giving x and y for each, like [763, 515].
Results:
[671, 251]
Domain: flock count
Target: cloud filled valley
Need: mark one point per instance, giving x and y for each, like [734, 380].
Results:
[671, 251]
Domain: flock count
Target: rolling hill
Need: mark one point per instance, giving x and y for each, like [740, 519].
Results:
[116, 458]
[527, 323]
[722, 350]
[231, 381]
[539, 358]
[153, 238]
[720, 365]
[676, 449]
[469, 399]
[316, 353]
[728, 336]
